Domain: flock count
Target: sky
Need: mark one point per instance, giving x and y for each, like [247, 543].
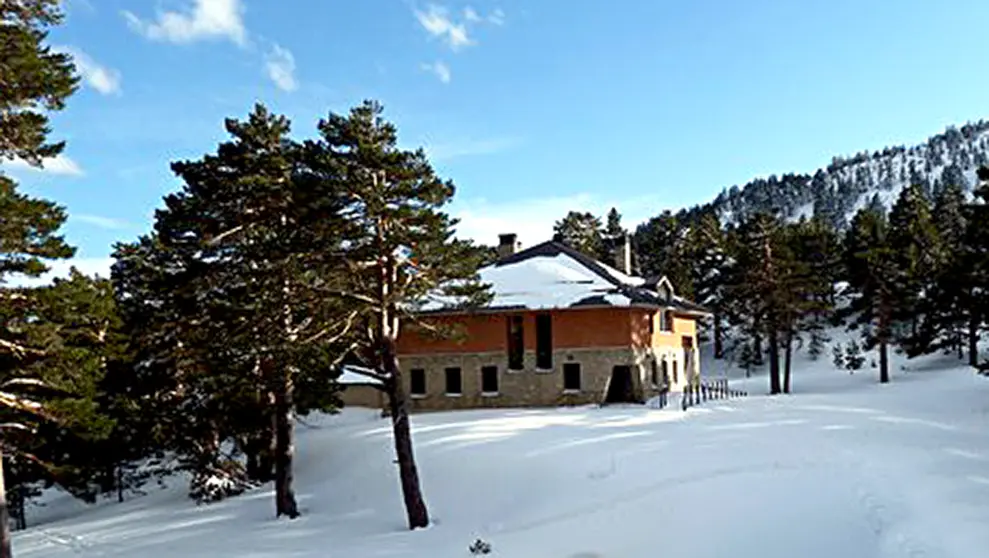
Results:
[532, 108]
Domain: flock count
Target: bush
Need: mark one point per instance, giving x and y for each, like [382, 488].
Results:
[479, 547]
[226, 479]
[853, 357]
[838, 353]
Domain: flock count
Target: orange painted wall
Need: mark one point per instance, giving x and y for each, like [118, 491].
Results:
[572, 328]
[642, 338]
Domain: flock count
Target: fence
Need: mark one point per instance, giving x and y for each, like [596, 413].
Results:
[700, 392]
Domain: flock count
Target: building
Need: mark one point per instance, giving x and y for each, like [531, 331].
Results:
[562, 329]
[359, 390]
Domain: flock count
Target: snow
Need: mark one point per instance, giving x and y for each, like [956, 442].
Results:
[542, 282]
[352, 376]
[844, 467]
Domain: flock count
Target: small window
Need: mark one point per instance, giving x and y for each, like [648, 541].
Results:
[654, 374]
[516, 343]
[665, 321]
[571, 376]
[675, 380]
[652, 325]
[666, 372]
[489, 380]
[454, 383]
[544, 341]
[417, 379]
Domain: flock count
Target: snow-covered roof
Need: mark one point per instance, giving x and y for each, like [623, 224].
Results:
[553, 275]
[352, 376]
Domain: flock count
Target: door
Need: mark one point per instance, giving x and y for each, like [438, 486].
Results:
[688, 358]
[620, 388]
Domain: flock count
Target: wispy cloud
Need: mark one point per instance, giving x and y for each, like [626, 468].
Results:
[471, 15]
[532, 219]
[204, 19]
[441, 70]
[59, 165]
[280, 65]
[99, 221]
[101, 78]
[454, 149]
[438, 22]
[497, 17]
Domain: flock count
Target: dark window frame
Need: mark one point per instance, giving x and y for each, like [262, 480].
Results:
[417, 376]
[485, 380]
[447, 375]
[569, 369]
[515, 331]
[544, 341]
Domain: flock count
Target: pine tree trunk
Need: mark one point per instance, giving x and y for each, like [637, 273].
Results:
[285, 503]
[973, 339]
[774, 361]
[959, 344]
[787, 358]
[719, 346]
[5, 551]
[120, 482]
[757, 349]
[884, 325]
[415, 505]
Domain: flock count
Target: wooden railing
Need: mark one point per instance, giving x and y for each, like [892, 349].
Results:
[697, 393]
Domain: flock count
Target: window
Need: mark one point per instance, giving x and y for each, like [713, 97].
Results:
[516, 343]
[489, 380]
[544, 341]
[665, 321]
[417, 379]
[675, 380]
[666, 372]
[652, 325]
[454, 383]
[571, 376]
[654, 374]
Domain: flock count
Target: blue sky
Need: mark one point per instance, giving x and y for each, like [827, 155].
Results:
[533, 108]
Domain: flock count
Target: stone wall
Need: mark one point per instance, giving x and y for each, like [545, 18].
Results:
[360, 395]
[529, 387]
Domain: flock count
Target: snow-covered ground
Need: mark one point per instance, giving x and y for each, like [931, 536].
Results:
[844, 467]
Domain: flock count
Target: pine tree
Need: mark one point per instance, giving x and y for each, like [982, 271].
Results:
[256, 238]
[34, 82]
[401, 253]
[914, 242]
[706, 251]
[948, 305]
[755, 286]
[871, 271]
[580, 231]
[975, 264]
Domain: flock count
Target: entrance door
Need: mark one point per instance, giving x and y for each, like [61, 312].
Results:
[688, 357]
[620, 388]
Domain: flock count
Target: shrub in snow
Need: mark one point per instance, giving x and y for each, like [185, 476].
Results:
[853, 357]
[838, 353]
[225, 479]
[480, 546]
[818, 339]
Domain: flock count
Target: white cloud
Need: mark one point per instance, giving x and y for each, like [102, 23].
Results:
[101, 78]
[471, 15]
[59, 165]
[100, 221]
[205, 19]
[497, 17]
[441, 70]
[280, 65]
[451, 150]
[437, 22]
[60, 268]
[532, 219]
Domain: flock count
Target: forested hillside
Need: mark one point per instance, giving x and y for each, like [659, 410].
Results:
[836, 191]
[891, 244]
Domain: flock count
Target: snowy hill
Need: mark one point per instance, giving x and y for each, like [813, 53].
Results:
[848, 183]
[845, 467]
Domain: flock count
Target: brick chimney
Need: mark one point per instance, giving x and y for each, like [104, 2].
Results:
[507, 244]
[622, 253]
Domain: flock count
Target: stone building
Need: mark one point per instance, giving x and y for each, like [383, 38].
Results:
[562, 329]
